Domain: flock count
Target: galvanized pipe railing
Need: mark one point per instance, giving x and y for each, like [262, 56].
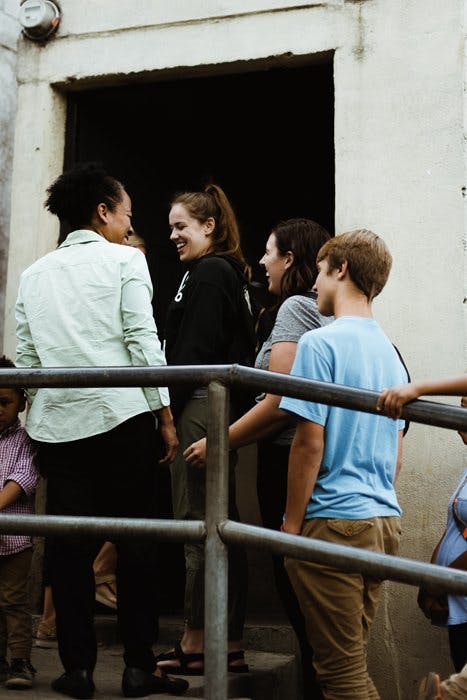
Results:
[217, 529]
[428, 412]
[216, 562]
[399, 569]
[345, 558]
[46, 525]
[342, 557]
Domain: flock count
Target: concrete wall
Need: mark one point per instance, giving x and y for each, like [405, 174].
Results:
[399, 151]
[9, 30]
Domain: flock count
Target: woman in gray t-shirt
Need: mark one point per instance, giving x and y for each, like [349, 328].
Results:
[290, 266]
[295, 316]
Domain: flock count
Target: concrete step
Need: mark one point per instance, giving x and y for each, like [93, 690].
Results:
[272, 634]
[271, 677]
[262, 634]
[270, 647]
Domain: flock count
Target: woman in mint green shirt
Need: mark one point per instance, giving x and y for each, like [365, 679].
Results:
[88, 304]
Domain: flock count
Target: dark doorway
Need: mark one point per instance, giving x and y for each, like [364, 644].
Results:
[266, 136]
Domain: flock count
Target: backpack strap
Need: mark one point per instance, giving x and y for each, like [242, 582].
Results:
[407, 423]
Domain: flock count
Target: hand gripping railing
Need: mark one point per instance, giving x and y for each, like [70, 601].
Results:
[217, 531]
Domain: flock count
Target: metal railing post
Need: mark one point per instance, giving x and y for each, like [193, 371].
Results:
[216, 562]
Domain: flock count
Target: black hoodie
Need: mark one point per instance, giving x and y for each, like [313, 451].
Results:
[208, 321]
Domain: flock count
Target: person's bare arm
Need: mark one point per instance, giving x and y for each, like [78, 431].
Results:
[259, 422]
[463, 433]
[399, 455]
[391, 401]
[305, 458]
[168, 433]
[10, 493]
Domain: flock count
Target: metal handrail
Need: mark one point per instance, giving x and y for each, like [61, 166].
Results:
[217, 531]
[46, 525]
[346, 558]
[342, 557]
[420, 411]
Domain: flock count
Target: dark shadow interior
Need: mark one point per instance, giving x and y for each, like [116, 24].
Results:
[266, 137]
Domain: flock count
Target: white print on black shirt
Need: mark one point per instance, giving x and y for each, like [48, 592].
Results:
[179, 295]
[246, 294]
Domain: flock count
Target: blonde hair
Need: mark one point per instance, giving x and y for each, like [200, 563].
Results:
[368, 259]
[134, 240]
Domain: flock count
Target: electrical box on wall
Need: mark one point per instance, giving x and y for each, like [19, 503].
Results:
[39, 18]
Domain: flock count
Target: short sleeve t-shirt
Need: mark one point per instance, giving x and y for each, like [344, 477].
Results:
[356, 476]
[297, 315]
[451, 547]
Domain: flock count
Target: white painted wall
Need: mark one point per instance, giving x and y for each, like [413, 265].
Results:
[400, 169]
[9, 30]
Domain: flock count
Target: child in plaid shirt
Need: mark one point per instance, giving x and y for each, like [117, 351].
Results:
[18, 480]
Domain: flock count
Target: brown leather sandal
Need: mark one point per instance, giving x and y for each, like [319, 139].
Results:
[182, 668]
[183, 659]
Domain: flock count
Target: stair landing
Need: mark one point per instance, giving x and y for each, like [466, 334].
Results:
[272, 676]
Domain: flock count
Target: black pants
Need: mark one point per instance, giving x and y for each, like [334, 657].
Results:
[458, 645]
[107, 475]
[272, 493]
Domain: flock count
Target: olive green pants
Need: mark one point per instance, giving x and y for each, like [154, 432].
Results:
[189, 497]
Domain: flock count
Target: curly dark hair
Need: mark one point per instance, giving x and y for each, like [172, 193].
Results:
[75, 194]
[6, 363]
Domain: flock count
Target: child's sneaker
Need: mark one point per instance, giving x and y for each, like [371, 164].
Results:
[21, 674]
[4, 669]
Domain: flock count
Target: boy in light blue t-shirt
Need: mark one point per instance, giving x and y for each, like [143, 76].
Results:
[343, 463]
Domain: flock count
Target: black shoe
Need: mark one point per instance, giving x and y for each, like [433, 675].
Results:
[76, 684]
[21, 674]
[136, 683]
[4, 669]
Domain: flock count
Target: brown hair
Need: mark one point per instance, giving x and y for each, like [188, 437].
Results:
[303, 238]
[213, 202]
[368, 259]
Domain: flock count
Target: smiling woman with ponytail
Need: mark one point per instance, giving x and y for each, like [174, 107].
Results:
[206, 324]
